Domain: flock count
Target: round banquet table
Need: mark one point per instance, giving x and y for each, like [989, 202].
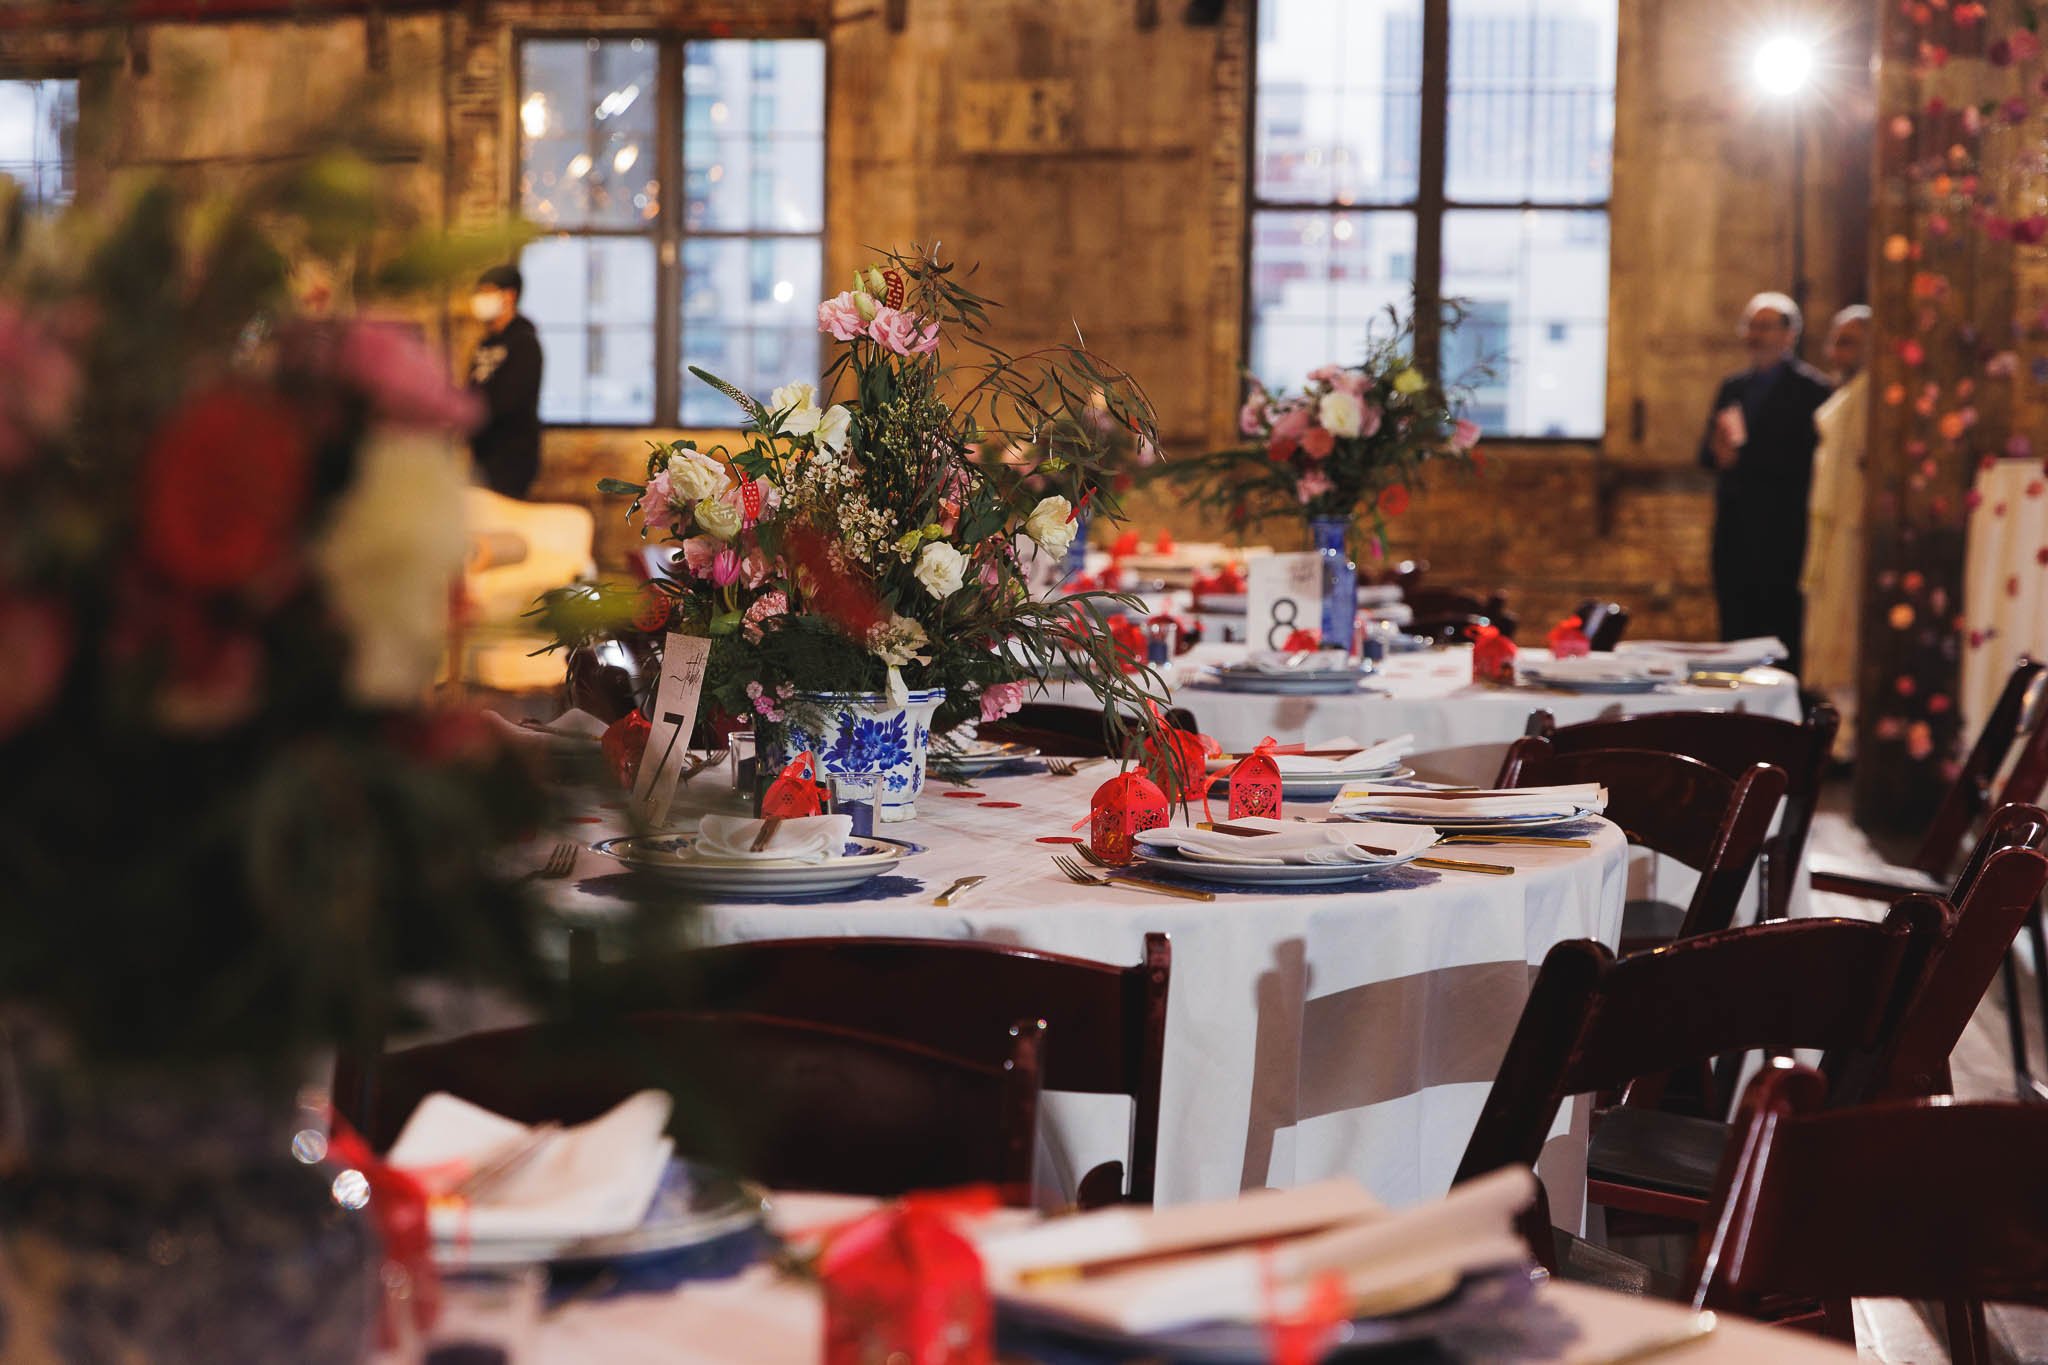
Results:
[1308, 1033]
[1461, 729]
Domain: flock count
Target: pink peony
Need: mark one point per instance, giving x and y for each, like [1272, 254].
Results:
[901, 332]
[403, 379]
[1312, 485]
[1000, 699]
[700, 553]
[766, 607]
[840, 317]
[753, 568]
[725, 567]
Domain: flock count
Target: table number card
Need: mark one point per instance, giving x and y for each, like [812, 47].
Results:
[1283, 594]
[675, 716]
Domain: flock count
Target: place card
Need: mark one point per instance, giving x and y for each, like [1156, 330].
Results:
[1283, 594]
[675, 716]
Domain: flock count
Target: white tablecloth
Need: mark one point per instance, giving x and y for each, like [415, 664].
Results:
[1461, 730]
[2005, 585]
[1307, 1034]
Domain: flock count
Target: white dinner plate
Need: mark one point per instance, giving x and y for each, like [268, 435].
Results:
[981, 755]
[1326, 684]
[1469, 823]
[1323, 786]
[1181, 863]
[692, 1206]
[1603, 687]
[673, 856]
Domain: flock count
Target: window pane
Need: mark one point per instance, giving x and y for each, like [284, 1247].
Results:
[1536, 284]
[750, 316]
[38, 122]
[1531, 100]
[586, 123]
[1319, 281]
[1339, 101]
[592, 298]
[754, 136]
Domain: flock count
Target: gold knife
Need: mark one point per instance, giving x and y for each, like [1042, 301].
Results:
[957, 890]
[1160, 888]
[1457, 865]
[1527, 841]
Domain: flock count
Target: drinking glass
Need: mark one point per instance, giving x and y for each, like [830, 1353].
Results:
[744, 760]
[857, 795]
[486, 1317]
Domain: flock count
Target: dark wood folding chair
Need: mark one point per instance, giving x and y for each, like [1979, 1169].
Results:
[1105, 1024]
[1732, 742]
[2020, 717]
[1061, 731]
[1676, 806]
[792, 1104]
[1445, 606]
[1593, 1023]
[1911, 1201]
[1604, 623]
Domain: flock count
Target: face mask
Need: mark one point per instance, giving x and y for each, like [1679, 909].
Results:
[487, 307]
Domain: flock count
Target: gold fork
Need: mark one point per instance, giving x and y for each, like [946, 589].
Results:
[1077, 873]
[1067, 767]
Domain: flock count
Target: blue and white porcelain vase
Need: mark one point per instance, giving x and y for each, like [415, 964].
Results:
[1340, 581]
[866, 732]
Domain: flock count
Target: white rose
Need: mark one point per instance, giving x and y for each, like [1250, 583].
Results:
[694, 477]
[1050, 526]
[1341, 412]
[803, 414]
[797, 395]
[833, 425]
[717, 517]
[941, 569]
[395, 540]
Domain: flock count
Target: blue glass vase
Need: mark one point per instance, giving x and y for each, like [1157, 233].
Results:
[1340, 581]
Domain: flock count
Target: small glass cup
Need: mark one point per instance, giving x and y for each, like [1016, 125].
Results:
[742, 755]
[858, 795]
[1162, 635]
[487, 1317]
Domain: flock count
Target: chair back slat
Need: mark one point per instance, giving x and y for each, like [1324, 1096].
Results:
[1732, 742]
[1105, 1024]
[793, 1104]
[1674, 805]
[1970, 795]
[1061, 731]
[1910, 1201]
[1596, 1023]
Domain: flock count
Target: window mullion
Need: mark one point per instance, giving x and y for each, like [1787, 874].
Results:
[668, 266]
[1429, 189]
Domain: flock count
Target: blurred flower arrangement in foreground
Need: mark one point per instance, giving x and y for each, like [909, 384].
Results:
[227, 536]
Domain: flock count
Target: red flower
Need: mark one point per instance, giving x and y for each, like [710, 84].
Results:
[1393, 500]
[1129, 638]
[654, 609]
[1318, 442]
[1280, 447]
[35, 639]
[224, 484]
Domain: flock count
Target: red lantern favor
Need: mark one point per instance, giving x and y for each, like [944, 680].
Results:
[625, 740]
[1568, 639]
[1123, 807]
[902, 1285]
[795, 792]
[1493, 657]
[1255, 784]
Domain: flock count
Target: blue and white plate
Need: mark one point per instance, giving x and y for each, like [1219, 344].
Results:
[674, 857]
[978, 756]
[1226, 871]
[694, 1205]
[1608, 687]
[1321, 683]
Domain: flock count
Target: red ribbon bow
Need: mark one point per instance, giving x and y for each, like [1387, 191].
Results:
[903, 1283]
[398, 1206]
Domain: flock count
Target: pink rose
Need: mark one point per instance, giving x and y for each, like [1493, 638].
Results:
[725, 567]
[1325, 374]
[700, 553]
[1000, 699]
[1312, 485]
[658, 504]
[403, 379]
[766, 607]
[1465, 435]
[1369, 418]
[1286, 433]
[901, 332]
[753, 568]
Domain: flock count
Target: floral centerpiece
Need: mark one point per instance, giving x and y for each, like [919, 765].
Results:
[1349, 447]
[233, 828]
[861, 564]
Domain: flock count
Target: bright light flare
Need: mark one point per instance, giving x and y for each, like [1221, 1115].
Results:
[1783, 65]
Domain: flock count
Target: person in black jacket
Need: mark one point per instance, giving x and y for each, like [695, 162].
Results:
[505, 373]
[1759, 441]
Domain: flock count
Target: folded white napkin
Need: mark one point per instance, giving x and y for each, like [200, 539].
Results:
[1251, 1277]
[592, 1180]
[1532, 801]
[1281, 662]
[1384, 754]
[1295, 843]
[573, 725]
[809, 839]
[1605, 668]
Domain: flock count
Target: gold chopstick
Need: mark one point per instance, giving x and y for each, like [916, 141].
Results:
[1458, 865]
